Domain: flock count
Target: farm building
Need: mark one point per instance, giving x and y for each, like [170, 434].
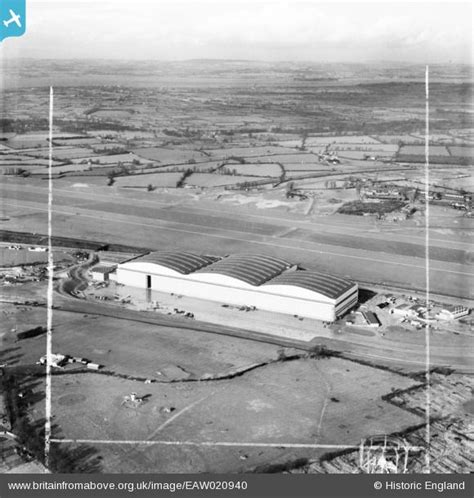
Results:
[266, 282]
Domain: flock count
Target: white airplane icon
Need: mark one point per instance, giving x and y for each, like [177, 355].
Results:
[14, 18]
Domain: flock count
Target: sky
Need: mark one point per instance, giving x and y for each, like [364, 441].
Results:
[416, 32]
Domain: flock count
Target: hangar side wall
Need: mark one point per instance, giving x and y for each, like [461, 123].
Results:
[187, 286]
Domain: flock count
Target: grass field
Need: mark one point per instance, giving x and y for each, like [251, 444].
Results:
[304, 400]
[203, 167]
[109, 159]
[355, 154]
[210, 180]
[290, 143]
[167, 156]
[64, 169]
[9, 257]
[435, 150]
[255, 169]
[461, 151]
[114, 114]
[303, 158]
[254, 151]
[326, 401]
[76, 141]
[166, 179]
[28, 140]
[405, 138]
[30, 162]
[4, 158]
[63, 153]
[378, 148]
[306, 167]
[346, 139]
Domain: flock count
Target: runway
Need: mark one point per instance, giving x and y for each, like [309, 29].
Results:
[355, 250]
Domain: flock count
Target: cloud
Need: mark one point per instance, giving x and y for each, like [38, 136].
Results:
[179, 30]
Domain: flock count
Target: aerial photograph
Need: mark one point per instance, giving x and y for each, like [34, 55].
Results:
[237, 238]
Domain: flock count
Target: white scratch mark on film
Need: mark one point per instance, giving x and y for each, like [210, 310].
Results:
[427, 271]
[218, 443]
[47, 428]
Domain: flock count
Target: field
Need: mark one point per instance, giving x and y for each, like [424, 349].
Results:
[451, 397]
[202, 167]
[396, 139]
[254, 408]
[255, 169]
[64, 153]
[159, 220]
[388, 149]
[330, 139]
[9, 257]
[108, 159]
[167, 156]
[355, 154]
[76, 141]
[114, 114]
[208, 180]
[26, 161]
[27, 141]
[251, 151]
[420, 150]
[58, 169]
[461, 151]
[6, 158]
[303, 158]
[327, 400]
[156, 179]
[316, 167]
[290, 143]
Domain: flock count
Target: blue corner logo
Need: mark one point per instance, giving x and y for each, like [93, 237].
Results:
[12, 18]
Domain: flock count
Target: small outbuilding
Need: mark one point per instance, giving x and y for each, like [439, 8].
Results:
[101, 273]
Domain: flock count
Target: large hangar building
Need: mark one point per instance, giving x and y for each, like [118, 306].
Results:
[262, 281]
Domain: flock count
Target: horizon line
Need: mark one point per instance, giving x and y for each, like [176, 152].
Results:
[224, 59]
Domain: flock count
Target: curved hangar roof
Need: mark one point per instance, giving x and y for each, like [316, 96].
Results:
[181, 262]
[327, 285]
[254, 269]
